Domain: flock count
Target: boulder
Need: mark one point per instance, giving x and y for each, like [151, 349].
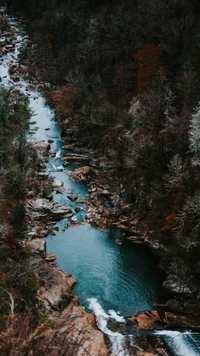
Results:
[80, 328]
[59, 294]
[136, 239]
[82, 170]
[57, 183]
[41, 146]
[72, 197]
[9, 47]
[127, 229]
[149, 320]
[73, 327]
[152, 320]
[66, 164]
[106, 212]
[56, 291]
[49, 257]
[76, 157]
[37, 245]
[41, 208]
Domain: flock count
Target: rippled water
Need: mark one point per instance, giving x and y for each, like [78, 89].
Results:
[122, 277]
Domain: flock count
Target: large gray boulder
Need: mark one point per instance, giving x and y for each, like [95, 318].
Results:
[40, 146]
[37, 245]
[41, 208]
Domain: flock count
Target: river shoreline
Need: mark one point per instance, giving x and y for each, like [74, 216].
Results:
[56, 291]
[94, 216]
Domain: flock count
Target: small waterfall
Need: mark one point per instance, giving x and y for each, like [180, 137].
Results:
[117, 339]
[181, 343]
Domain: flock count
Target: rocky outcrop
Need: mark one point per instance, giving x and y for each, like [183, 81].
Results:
[40, 146]
[41, 208]
[73, 197]
[59, 292]
[81, 330]
[77, 157]
[57, 183]
[72, 325]
[37, 245]
[152, 320]
[56, 291]
[82, 173]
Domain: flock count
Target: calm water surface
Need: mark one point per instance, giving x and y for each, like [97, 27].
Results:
[122, 277]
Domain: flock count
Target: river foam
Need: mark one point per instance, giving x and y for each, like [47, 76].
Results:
[117, 340]
[181, 343]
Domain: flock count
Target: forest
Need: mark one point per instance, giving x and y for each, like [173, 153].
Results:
[124, 79]
[125, 76]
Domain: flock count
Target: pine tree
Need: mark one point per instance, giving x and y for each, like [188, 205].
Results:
[194, 135]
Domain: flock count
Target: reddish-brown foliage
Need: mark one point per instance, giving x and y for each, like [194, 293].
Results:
[171, 222]
[63, 99]
[150, 64]
[49, 39]
[11, 241]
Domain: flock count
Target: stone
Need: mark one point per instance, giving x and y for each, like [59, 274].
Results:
[49, 257]
[31, 235]
[136, 239]
[76, 157]
[57, 183]
[73, 197]
[40, 146]
[104, 193]
[149, 320]
[59, 294]
[42, 175]
[75, 179]
[82, 328]
[106, 212]
[127, 229]
[37, 245]
[41, 208]
[152, 320]
[66, 164]
[118, 242]
[9, 47]
[82, 170]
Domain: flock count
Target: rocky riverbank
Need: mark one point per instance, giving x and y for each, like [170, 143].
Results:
[68, 326]
[105, 208]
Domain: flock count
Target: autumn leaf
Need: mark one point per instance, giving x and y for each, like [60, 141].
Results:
[150, 64]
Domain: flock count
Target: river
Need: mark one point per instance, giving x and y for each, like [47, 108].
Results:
[114, 281]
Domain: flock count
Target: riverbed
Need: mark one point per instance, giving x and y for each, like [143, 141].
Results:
[114, 281]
